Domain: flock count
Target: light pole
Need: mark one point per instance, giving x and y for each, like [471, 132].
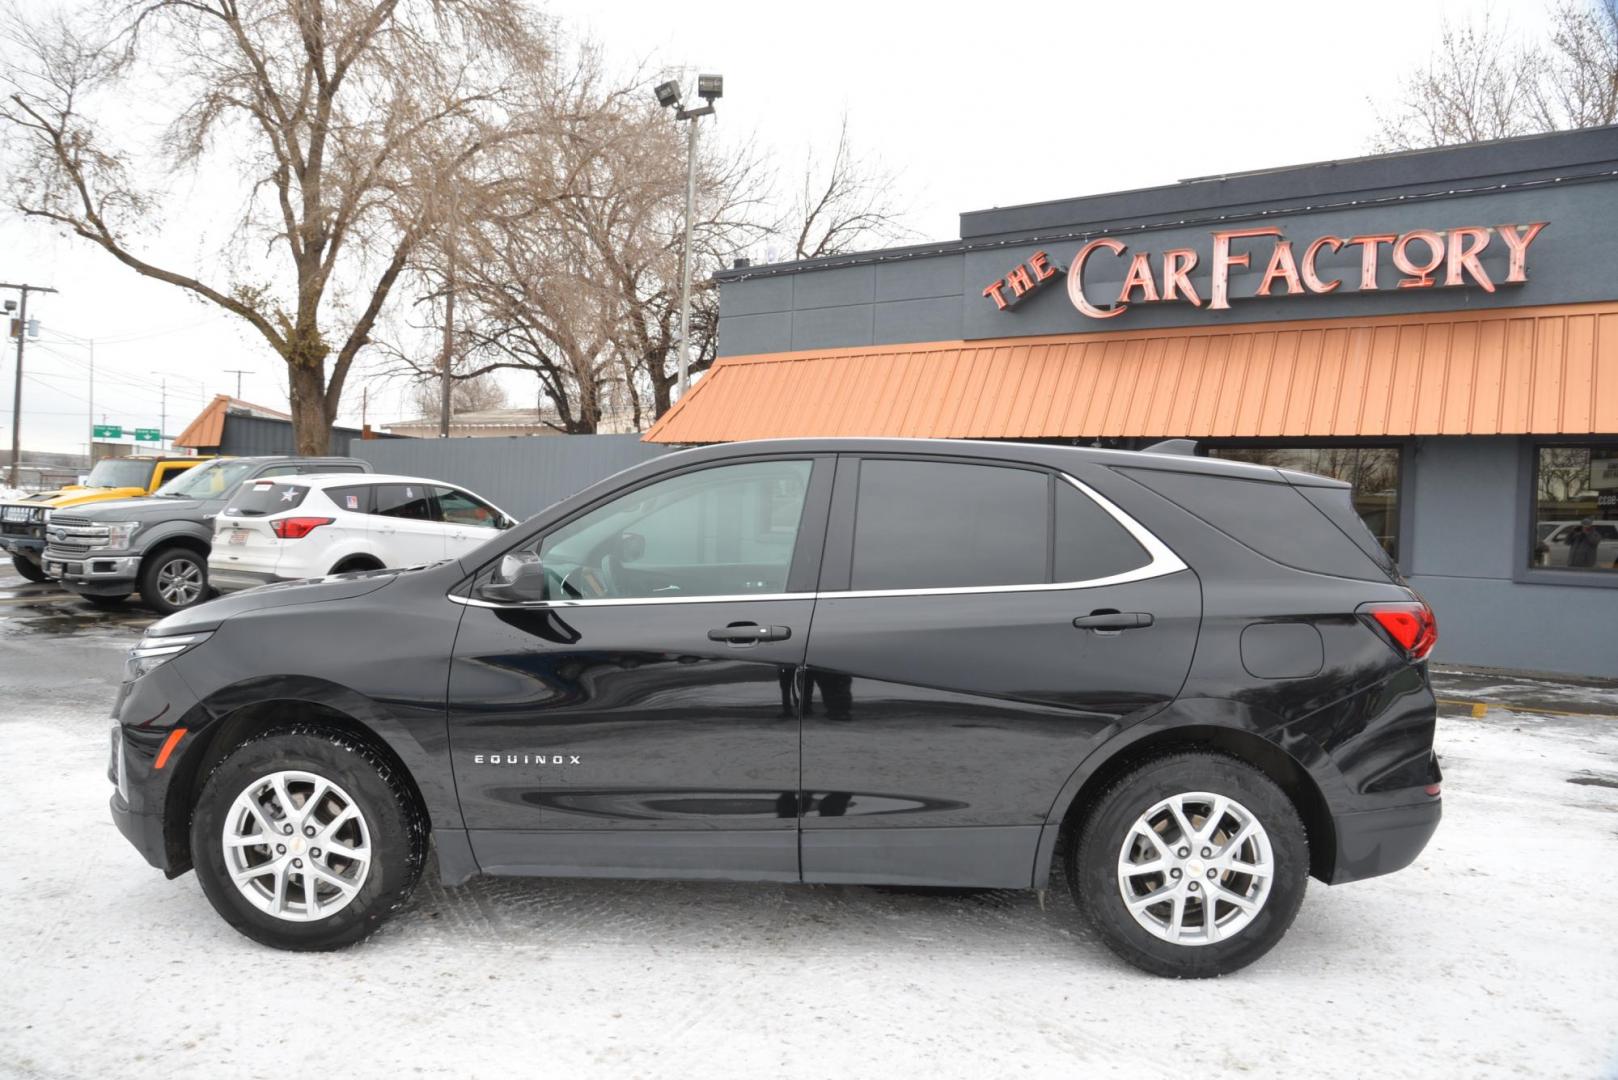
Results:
[709, 88]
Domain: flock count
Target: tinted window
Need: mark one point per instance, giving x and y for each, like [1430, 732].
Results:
[1372, 470]
[934, 525]
[356, 499]
[260, 497]
[716, 532]
[410, 501]
[459, 508]
[1090, 544]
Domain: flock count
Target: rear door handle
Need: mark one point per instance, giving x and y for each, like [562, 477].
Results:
[749, 633]
[1114, 620]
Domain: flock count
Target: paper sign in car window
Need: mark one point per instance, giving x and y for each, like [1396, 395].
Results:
[352, 502]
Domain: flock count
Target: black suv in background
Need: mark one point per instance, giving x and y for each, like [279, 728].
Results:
[864, 661]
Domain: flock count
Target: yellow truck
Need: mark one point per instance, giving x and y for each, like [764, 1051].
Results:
[22, 521]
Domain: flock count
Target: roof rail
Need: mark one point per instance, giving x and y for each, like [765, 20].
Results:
[1184, 447]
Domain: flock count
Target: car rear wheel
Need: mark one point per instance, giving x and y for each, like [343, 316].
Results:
[28, 569]
[173, 579]
[306, 840]
[1192, 865]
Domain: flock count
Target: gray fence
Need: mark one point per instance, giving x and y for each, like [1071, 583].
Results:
[520, 474]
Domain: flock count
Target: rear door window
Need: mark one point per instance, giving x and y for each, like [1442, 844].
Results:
[1090, 544]
[412, 502]
[938, 524]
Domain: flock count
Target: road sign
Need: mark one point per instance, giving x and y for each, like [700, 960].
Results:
[148, 434]
[108, 431]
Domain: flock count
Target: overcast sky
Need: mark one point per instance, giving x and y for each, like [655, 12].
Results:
[971, 105]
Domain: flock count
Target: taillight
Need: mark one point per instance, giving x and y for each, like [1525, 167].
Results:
[297, 528]
[1411, 625]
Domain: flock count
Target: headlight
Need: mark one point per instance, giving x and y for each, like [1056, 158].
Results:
[153, 652]
[119, 533]
[43, 515]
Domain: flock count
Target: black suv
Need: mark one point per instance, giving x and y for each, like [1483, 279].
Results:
[1192, 683]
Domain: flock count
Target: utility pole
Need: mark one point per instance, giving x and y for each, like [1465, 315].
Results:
[238, 372]
[163, 414]
[16, 393]
[709, 88]
[91, 446]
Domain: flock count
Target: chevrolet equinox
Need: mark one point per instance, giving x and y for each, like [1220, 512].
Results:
[1191, 684]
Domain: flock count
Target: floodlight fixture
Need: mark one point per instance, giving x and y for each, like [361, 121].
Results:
[668, 94]
[710, 87]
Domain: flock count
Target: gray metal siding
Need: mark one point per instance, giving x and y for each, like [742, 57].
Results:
[1467, 511]
[520, 474]
[256, 436]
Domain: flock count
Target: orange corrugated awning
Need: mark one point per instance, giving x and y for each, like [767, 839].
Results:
[1546, 370]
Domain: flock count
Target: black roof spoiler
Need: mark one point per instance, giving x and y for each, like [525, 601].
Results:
[1183, 447]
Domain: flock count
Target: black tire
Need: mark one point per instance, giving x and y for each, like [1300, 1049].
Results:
[397, 831]
[171, 560]
[28, 569]
[355, 564]
[1094, 877]
[105, 603]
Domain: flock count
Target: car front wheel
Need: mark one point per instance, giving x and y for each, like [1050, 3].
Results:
[1192, 865]
[173, 579]
[27, 569]
[306, 840]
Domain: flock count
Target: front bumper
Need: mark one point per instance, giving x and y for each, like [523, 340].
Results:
[145, 831]
[26, 546]
[92, 572]
[147, 712]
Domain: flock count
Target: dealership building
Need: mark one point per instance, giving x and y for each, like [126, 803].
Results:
[1438, 328]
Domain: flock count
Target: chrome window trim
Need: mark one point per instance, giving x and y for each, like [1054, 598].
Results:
[1162, 561]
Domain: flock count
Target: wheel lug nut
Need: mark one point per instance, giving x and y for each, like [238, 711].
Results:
[1192, 886]
[1207, 853]
[1212, 874]
[308, 830]
[297, 862]
[280, 849]
[1175, 874]
[314, 853]
[1184, 852]
[287, 829]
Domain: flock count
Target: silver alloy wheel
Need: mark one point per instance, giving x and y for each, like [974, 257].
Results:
[179, 582]
[297, 846]
[1195, 868]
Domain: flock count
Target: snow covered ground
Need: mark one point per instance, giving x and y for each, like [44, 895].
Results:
[1495, 955]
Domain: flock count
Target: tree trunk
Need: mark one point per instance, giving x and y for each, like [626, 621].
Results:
[311, 431]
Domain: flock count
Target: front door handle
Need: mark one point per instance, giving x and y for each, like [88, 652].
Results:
[1113, 620]
[747, 633]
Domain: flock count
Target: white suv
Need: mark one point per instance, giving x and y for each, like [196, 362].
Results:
[294, 527]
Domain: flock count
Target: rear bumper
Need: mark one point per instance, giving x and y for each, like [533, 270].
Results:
[226, 580]
[1375, 842]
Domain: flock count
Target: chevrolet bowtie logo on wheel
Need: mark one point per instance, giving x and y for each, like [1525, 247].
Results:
[526, 759]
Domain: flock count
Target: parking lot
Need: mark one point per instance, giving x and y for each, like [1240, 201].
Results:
[1492, 956]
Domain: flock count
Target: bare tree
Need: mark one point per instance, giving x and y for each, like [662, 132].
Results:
[1486, 82]
[476, 394]
[346, 125]
[845, 205]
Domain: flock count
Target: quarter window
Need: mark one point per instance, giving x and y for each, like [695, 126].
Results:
[1373, 471]
[723, 531]
[1576, 508]
[1090, 544]
[936, 525]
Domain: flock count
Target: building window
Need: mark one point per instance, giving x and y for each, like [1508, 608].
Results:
[1576, 508]
[1372, 470]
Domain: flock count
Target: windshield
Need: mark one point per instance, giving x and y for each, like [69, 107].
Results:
[210, 480]
[120, 472]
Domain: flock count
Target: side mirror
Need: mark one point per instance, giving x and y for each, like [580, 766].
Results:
[517, 580]
[631, 547]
